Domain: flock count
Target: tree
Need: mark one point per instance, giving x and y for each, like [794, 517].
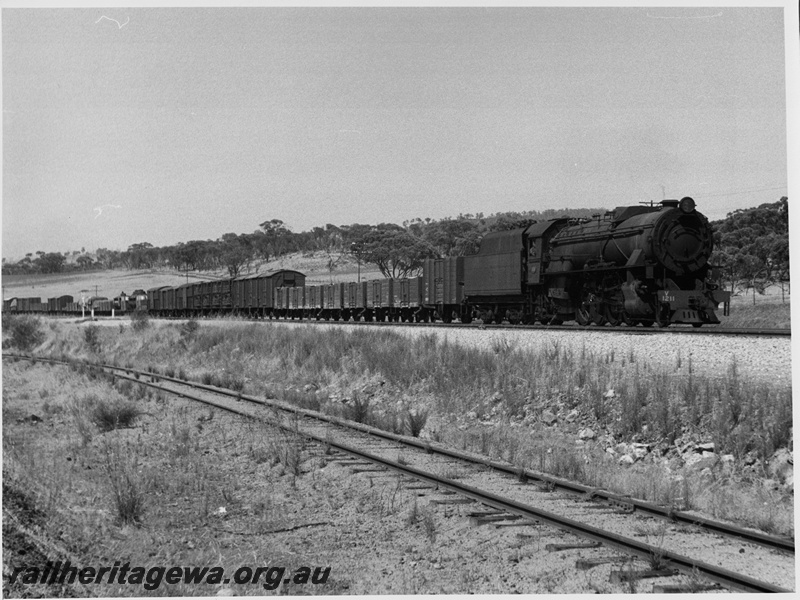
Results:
[85, 261]
[395, 251]
[752, 246]
[139, 256]
[51, 262]
[235, 253]
[276, 240]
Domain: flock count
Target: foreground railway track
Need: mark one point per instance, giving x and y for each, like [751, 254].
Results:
[425, 462]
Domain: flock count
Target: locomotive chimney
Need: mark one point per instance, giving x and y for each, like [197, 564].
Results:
[669, 203]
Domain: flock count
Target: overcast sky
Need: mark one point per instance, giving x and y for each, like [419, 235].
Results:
[125, 125]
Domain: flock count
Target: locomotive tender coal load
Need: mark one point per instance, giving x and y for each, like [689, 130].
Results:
[634, 265]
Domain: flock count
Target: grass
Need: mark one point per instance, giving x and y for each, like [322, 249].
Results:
[769, 311]
[129, 487]
[740, 416]
[483, 400]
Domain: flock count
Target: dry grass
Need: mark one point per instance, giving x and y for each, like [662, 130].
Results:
[152, 494]
[451, 390]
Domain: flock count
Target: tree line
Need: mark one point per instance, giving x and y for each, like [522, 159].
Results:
[396, 250]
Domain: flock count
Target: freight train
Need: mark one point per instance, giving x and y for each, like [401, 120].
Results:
[635, 265]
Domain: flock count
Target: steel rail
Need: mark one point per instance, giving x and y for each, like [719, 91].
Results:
[782, 544]
[676, 329]
[641, 550]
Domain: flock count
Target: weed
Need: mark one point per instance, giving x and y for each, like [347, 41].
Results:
[140, 320]
[83, 422]
[128, 486]
[189, 329]
[181, 439]
[429, 524]
[413, 514]
[359, 409]
[114, 414]
[416, 419]
[91, 336]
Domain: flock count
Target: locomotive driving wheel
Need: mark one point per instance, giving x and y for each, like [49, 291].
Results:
[614, 301]
[582, 315]
[591, 310]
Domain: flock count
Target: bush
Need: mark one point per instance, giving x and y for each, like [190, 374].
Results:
[140, 320]
[114, 415]
[189, 328]
[416, 419]
[26, 332]
[91, 335]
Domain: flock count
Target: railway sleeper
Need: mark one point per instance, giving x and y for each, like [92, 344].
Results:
[575, 546]
[477, 521]
[661, 588]
[584, 564]
[623, 576]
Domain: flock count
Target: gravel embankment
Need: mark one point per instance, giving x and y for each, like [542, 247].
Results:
[758, 359]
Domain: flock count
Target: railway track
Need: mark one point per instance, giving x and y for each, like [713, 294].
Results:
[501, 488]
[680, 330]
[674, 329]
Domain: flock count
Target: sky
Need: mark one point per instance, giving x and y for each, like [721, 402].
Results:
[162, 125]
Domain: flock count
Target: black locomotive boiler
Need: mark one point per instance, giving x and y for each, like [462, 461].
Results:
[633, 265]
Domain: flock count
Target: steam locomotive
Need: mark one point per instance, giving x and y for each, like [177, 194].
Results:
[635, 265]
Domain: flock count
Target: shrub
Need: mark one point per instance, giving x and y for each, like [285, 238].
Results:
[26, 332]
[114, 415]
[189, 328]
[140, 320]
[416, 419]
[360, 411]
[91, 335]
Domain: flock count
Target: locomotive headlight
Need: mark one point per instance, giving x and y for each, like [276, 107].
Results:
[687, 205]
